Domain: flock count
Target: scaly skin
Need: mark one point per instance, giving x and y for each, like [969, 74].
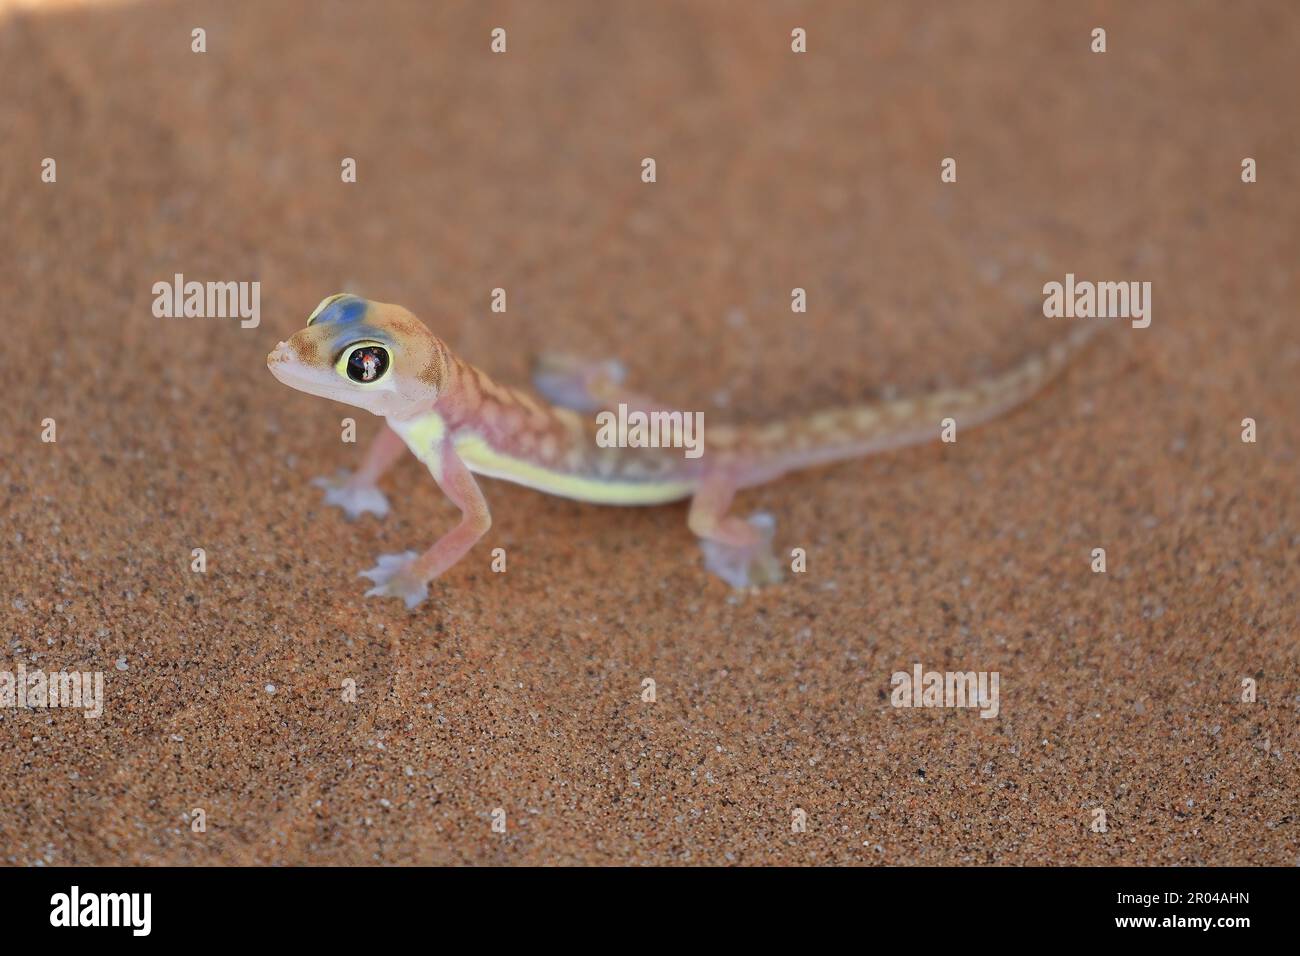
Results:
[460, 423]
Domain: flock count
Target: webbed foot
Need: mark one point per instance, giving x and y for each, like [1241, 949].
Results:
[355, 499]
[393, 578]
[749, 565]
[575, 383]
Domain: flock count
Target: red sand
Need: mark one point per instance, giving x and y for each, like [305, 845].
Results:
[522, 691]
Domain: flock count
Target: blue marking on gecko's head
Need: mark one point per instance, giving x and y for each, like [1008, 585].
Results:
[339, 309]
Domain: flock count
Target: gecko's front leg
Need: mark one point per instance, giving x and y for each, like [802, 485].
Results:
[359, 493]
[407, 575]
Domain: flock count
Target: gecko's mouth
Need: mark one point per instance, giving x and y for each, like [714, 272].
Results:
[281, 362]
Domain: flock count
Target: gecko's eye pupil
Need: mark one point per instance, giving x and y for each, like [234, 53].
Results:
[367, 364]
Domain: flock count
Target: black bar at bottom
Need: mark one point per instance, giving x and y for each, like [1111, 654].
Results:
[338, 906]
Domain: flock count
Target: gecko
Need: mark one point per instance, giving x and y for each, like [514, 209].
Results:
[460, 423]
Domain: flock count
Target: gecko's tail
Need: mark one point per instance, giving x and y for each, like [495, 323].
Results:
[851, 432]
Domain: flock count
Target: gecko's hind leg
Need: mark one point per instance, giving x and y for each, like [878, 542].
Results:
[359, 493]
[738, 551]
[586, 386]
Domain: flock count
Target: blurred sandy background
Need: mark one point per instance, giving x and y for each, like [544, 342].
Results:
[522, 691]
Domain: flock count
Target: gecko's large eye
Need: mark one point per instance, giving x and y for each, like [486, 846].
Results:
[367, 363]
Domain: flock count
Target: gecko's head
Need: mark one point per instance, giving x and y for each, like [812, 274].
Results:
[372, 355]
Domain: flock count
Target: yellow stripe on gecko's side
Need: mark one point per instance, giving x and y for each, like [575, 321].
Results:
[483, 459]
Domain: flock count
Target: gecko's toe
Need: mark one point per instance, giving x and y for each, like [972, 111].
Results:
[392, 578]
[574, 383]
[355, 500]
[751, 566]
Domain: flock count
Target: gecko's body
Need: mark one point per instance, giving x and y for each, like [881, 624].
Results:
[459, 422]
[503, 433]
